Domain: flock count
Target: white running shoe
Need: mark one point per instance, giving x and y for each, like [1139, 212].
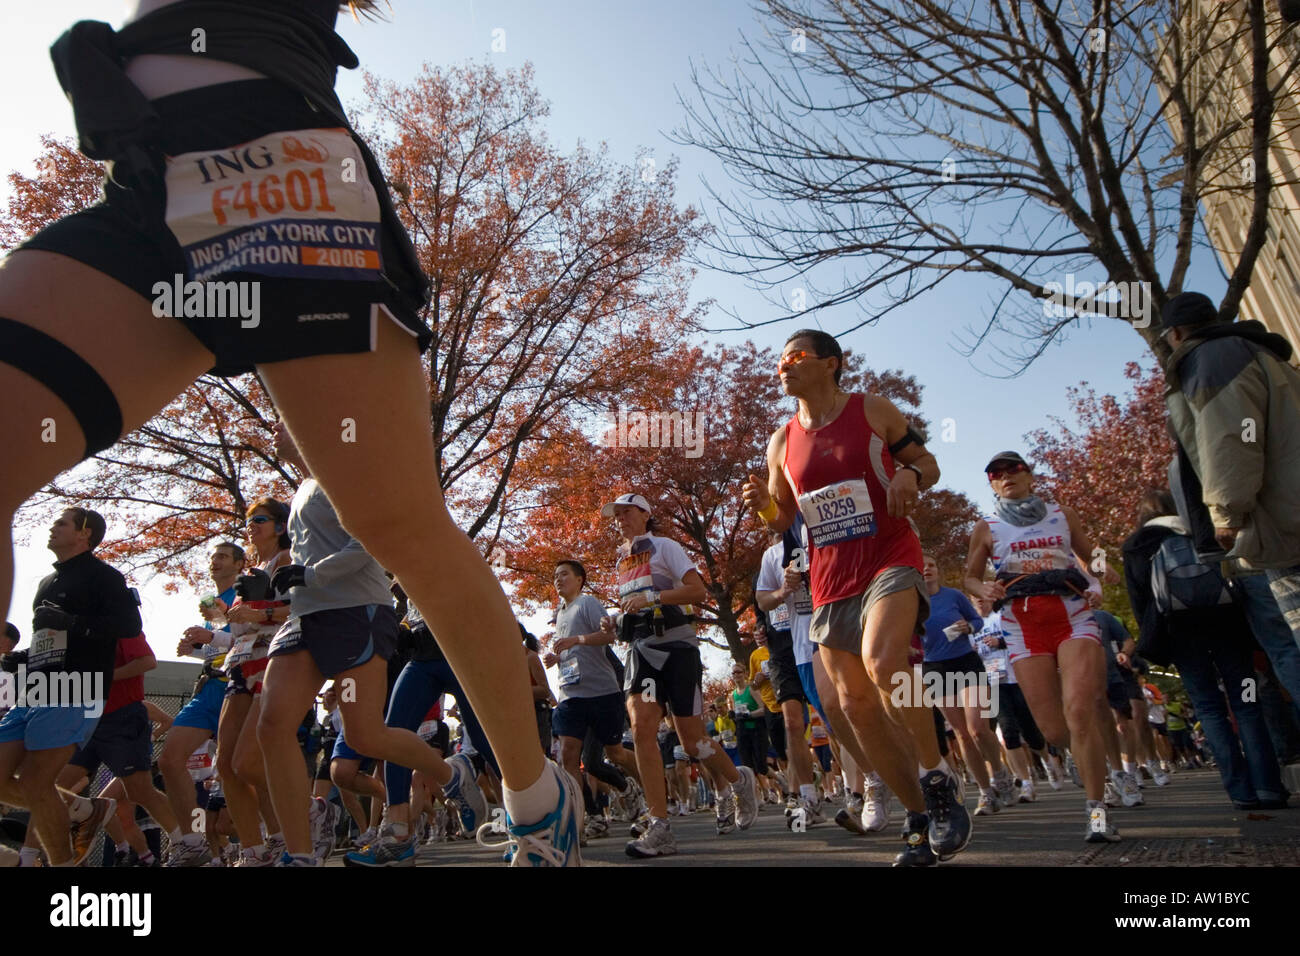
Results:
[1007, 791]
[1053, 775]
[1027, 792]
[988, 805]
[1100, 829]
[1129, 791]
[366, 838]
[188, 853]
[656, 841]
[875, 805]
[1159, 776]
[746, 799]
[1111, 795]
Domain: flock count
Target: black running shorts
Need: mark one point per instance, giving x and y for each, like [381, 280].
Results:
[675, 685]
[281, 219]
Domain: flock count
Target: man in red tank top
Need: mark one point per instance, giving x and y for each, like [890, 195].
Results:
[852, 467]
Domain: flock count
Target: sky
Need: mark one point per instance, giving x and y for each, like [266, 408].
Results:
[610, 72]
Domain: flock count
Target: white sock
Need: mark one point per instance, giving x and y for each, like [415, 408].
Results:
[527, 807]
[808, 792]
[80, 809]
[942, 765]
[28, 856]
[275, 837]
[123, 847]
[400, 830]
[1130, 766]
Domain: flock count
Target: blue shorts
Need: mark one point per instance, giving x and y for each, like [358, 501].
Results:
[203, 710]
[810, 689]
[343, 752]
[48, 728]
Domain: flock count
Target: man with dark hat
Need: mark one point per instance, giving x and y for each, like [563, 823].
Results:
[1234, 411]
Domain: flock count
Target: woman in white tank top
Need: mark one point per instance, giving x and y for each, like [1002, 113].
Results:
[1053, 641]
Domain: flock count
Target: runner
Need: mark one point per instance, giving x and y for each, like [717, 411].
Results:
[750, 717]
[1019, 732]
[155, 107]
[1033, 545]
[954, 668]
[254, 618]
[198, 720]
[853, 467]
[657, 583]
[81, 611]
[760, 666]
[419, 688]
[590, 695]
[343, 626]
[1116, 708]
[123, 739]
[783, 597]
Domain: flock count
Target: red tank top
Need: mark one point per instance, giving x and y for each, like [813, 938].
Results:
[840, 473]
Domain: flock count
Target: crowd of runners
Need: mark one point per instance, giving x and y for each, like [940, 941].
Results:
[870, 683]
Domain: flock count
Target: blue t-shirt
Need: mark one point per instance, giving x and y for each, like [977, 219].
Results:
[949, 606]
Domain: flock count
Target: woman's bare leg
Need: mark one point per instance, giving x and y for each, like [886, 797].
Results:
[145, 360]
[398, 513]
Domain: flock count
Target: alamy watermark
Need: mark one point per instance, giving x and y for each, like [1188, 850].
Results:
[655, 429]
[1130, 301]
[24, 688]
[913, 689]
[209, 300]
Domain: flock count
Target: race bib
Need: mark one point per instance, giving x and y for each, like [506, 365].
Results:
[569, 673]
[728, 738]
[779, 617]
[293, 204]
[241, 650]
[428, 730]
[839, 512]
[766, 668]
[49, 649]
[996, 668]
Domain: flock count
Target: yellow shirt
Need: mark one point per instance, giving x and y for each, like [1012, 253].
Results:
[766, 691]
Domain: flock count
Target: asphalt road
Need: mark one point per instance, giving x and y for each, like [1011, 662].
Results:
[1188, 823]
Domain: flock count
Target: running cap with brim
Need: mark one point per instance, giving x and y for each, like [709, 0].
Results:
[1007, 456]
[607, 511]
[1188, 308]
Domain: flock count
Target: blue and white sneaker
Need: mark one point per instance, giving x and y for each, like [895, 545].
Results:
[555, 841]
[386, 850]
[464, 789]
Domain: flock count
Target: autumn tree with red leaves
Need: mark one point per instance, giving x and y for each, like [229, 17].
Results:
[555, 277]
[1114, 451]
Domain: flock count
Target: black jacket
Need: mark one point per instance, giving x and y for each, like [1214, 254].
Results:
[104, 610]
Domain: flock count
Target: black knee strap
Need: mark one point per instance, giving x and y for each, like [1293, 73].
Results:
[67, 375]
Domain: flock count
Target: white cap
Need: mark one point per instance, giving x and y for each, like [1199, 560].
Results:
[607, 511]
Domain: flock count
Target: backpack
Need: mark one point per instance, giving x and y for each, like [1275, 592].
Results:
[1180, 581]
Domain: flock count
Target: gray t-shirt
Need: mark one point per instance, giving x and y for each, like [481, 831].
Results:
[339, 571]
[585, 670]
